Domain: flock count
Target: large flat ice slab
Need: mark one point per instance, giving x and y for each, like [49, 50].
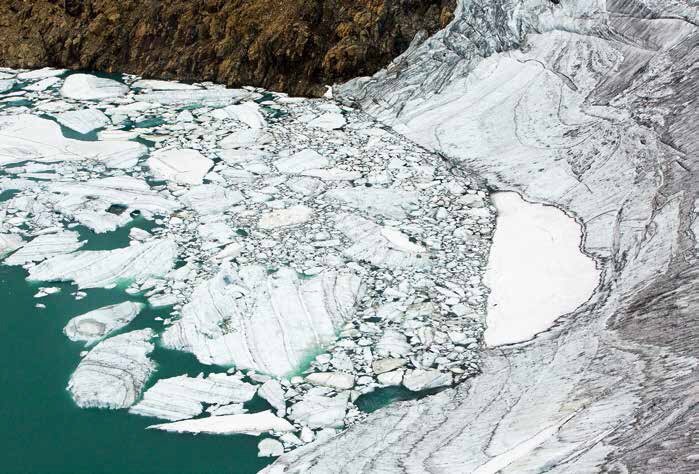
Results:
[9, 243]
[114, 372]
[46, 246]
[89, 87]
[83, 120]
[179, 398]
[104, 268]
[31, 138]
[536, 271]
[179, 165]
[251, 424]
[264, 321]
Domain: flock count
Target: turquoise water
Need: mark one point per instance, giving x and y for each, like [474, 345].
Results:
[44, 432]
[382, 397]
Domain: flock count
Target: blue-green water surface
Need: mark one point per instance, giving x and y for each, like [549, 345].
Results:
[42, 429]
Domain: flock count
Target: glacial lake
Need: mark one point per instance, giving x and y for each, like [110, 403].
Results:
[44, 431]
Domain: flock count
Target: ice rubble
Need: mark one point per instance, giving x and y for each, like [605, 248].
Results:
[302, 228]
[95, 325]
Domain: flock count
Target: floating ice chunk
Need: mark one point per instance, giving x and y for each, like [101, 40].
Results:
[269, 447]
[46, 246]
[386, 365]
[117, 135]
[206, 97]
[336, 380]
[292, 216]
[317, 410]
[182, 166]
[89, 87]
[393, 378]
[268, 322]
[114, 372]
[382, 246]
[104, 268]
[241, 139]
[83, 120]
[303, 160]
[418, 380]
[6, 85]
[30, 138]
[88, 202]
[38, 74]
[95, 325]
[305, 186]
[329, 121]
[250, 423]
[391, 203]
[157, 85]
[536, 271]
[248, 113]
[232, 409]
[9, 243]
[211, 198]
[43, 84]
[273, 392]
[179, 398]
[393, 342]
[333, 174]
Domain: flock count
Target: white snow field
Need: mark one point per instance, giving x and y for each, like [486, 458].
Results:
[536, 271]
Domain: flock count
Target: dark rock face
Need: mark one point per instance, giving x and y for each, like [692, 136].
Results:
[295, 46]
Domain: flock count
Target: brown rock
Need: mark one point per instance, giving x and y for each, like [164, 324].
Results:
[295, 46]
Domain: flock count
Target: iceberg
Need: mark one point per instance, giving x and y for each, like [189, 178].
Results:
[46, 246]
[105, 268]
[97, 324]
[182, 166]
[114, 372]
[253, 424]
[83, 120]
[179, 398]
[264, 321]
[89, 87]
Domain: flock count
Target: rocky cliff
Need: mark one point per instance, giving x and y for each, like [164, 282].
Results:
[295, 46]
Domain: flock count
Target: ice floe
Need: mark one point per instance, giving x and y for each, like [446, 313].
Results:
[114, 372]
[89, 87]
[9, 243]
[105, 268]
[242, 318]
[83, 120]
[97, 324]
[248, 423]
[181, 166]
[179, 398]
[318, 253]
[46, 246]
